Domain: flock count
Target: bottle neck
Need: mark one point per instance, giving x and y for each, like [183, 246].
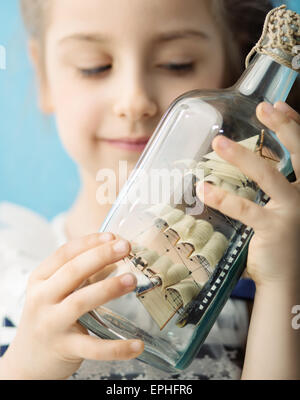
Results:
[266, 80]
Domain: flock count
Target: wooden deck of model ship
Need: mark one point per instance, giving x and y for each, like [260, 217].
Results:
[178, 253]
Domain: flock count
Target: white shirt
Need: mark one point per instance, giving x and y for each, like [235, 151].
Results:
[26, 239]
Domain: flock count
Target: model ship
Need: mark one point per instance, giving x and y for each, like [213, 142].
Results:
[178, 254]
[186, 252]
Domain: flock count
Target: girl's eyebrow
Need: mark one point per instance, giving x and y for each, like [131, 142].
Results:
[162, 37]
[181, 34]
[85, 37]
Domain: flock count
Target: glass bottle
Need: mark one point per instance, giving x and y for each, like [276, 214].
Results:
[187, 257]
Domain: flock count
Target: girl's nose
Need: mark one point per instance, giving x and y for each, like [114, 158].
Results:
[135, 105]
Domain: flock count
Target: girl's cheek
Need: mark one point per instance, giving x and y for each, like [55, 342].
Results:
[75, 119]
[78, 125]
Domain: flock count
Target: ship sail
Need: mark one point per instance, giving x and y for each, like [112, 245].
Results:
[186, 289]
[220, 173]
[172, 284]
[173, 287]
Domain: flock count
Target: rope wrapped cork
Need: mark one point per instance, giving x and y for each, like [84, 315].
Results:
[281, 33]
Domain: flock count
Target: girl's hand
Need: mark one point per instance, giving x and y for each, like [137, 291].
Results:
[274, 249]
[50, 344]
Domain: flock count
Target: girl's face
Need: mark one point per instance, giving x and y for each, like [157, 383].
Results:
[112, 68]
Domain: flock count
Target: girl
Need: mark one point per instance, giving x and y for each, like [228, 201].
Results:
[108, 71]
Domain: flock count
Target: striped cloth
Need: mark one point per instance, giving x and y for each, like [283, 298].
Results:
[7, 331]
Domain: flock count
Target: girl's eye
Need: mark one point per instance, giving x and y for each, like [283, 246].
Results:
[93, 72]
[178, 67]
[173, 67]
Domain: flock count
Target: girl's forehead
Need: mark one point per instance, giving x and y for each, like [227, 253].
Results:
[114, 17]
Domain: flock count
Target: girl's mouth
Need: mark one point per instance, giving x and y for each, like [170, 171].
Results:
[129, 144]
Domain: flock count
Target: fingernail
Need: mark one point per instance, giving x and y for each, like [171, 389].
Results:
[106, 237]
[128, 280]
[267, 108]
[136, 347]
[283, 107]
[121, 246]
[223, 142]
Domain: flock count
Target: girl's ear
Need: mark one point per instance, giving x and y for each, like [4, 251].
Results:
[37, 60]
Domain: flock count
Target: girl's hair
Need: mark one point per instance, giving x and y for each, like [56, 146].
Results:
[34, 13]
[240, 21]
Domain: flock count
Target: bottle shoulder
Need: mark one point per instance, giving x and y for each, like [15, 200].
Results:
[230, 98]
[227, 108]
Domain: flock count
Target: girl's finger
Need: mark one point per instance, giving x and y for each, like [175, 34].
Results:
[268, 178]
[285, 122]
[92, 296]
[69, 251]
[287, 110]
[91, 348]
[243, 210]
[71, 275]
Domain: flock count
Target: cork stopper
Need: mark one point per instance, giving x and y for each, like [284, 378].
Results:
[280, 38]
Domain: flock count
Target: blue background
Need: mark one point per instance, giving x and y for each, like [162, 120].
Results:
[35, 171]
